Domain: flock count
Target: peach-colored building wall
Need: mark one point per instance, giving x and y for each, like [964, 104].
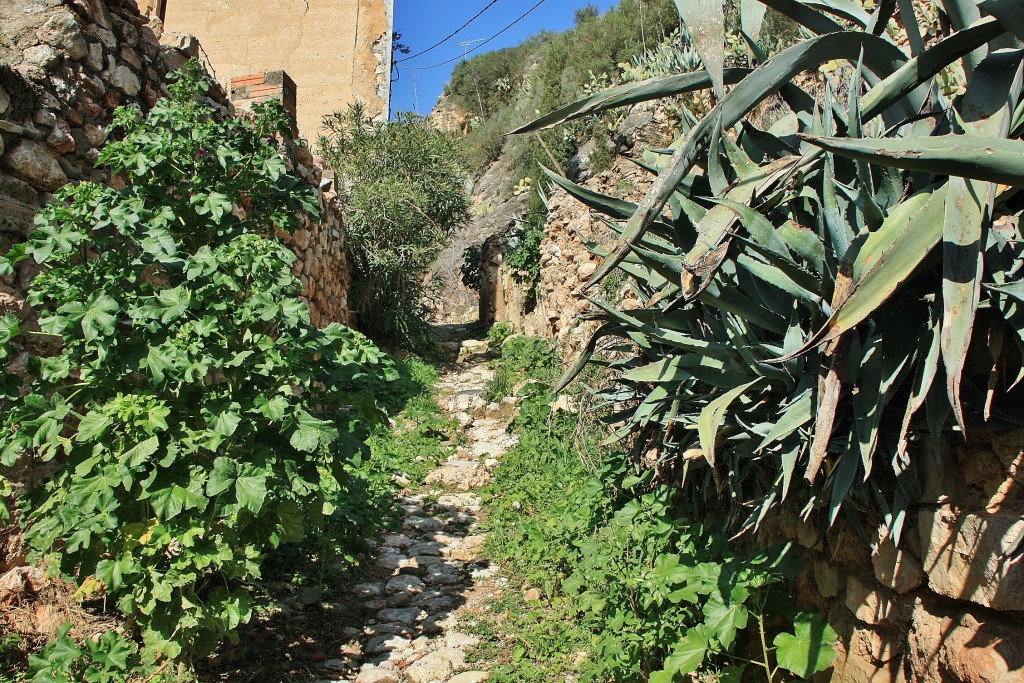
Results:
[337, 51]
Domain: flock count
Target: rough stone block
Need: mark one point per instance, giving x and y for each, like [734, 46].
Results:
[966, 556]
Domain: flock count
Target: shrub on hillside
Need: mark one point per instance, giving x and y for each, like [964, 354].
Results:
[402, 185]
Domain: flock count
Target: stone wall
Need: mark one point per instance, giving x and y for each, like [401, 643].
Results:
[65, 65]
[947, 604]
[338, 51]
[566, 261]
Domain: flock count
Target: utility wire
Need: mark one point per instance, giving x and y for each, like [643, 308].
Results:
[450, 35]
[457, 58]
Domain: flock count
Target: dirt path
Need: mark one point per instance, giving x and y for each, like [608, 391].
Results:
[429, 582]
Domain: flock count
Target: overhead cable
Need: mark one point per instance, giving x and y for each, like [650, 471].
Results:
[463, 56]
[451, 35]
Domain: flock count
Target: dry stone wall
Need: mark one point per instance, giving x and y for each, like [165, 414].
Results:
[65, 65]
[947, 603]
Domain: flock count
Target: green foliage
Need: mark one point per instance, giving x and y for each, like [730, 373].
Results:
[111, 658]
[499, 332]
[471, 268]
[811, 309]
[547, 71]
[646, 592]
[522, 358]
[194, 418]
[402, 187]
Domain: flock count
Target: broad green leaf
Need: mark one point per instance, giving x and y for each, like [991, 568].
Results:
[222, 476]
[725, 621]
[251, 492]
[93, 426]
[808, 649]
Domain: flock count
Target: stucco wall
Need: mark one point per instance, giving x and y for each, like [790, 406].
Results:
[337, 51]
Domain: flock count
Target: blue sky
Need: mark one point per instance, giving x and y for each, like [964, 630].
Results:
[424, 22]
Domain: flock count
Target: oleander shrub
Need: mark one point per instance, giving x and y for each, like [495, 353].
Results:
[403, 189]
[193, 419]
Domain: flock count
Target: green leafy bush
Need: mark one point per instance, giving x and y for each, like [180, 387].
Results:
[814, 304]
[111, 658]
[194, 419]
[657, 595]
[402, 185]
[499, 332]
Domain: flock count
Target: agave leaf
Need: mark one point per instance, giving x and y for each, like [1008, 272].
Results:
[1010, 14]
[705, 21]
[927, 368]
[711, 418]
[881, 57]
[606, 330]
[826, 404]
[961, 279]
[757, 226]
[988, 158]
[804, 243]
[883, 262]
[851, 11]
[799, 412]
[628, 95]
[805, 15]
[909, 21]
[964, 13]
[752, 18]
[984, 111]
[880, 19]
[904, 81]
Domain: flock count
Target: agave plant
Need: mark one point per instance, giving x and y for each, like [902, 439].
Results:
[821, 296]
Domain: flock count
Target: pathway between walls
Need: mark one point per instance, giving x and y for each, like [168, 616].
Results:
[430, 582]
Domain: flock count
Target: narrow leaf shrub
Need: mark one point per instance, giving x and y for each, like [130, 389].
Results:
[403, 189]
[193, 418]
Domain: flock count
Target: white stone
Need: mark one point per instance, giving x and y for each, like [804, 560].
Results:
[470, 677]
[125, 80]
[373, 674]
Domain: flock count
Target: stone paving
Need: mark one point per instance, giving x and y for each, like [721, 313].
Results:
[429, 575]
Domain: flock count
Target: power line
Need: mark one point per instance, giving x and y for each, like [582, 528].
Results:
[451, 35]
[455, 59]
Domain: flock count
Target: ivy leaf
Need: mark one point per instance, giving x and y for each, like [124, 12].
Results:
[168, 305]
[9, 328]
[809, 649]
[137, 455]
[251, 492]
[203, 262]
[690, 653]
[275, 409]
[159, 361]
[215, 204]
[226, 422]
